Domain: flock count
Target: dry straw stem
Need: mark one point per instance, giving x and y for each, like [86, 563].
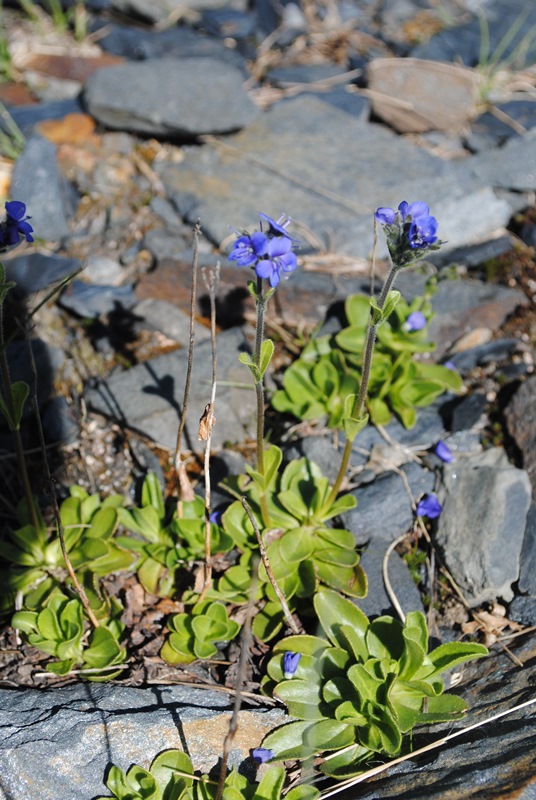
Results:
[246, 643]
[208, 419]
[433, 746]
[186, 492]
[266, 561]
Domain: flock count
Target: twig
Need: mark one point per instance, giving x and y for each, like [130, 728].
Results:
[433, 746]
[52, 492]
[266, 561]
[186, 491]
[246, 641]
[385, 572]
[205, 431]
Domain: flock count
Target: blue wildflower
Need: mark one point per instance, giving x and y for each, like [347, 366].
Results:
[450, 365]
[279, 258]
[15, 225]
[290, 664]
[416, 321]
[423, 232]
[429, 507]
[262, 754]
[278, 228]
[249, 248]
[444, 452]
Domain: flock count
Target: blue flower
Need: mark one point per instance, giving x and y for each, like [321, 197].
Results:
[15, 226]
[416, 321]
[410, 227]
[278, 228]
[261, 754]
[423, 232]
[450, 365]
[444, 452]
[279, 258]
[429, 507]
[249, 248]
[290, 664]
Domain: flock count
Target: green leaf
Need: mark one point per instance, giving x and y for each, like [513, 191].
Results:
[333, 611]
[347, 763]
[287, 742]
[302, 643]
[19, 394]
[296, 545]
[303, 792]
[245, 359]
[329, 735]
[267, 351]
[351, 581]
[449, 655]
[270, 785]
[302, 698]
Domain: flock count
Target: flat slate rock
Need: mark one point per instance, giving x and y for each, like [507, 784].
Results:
[148, 397]
[37, 271]
[37, 181]
[329, 172]
[59, 744]
[520, 417]
[179, 97]
[481, 529]
[138, 44]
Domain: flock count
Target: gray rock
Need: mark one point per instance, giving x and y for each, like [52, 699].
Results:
[527, 572]
[511, 167]
[156, 11]
[137, 44]
[497, 350]
[37, 181]
[520, 415]
[507, 23]
[37, 271]
[103, 270]
[164, 244]
[170, 96]
[148, 397]
[480, 531]
[468, 411]
[383, 507]
[27, 117]
[333, 172]
[47, 361]
[60, 424]
[170, 320]
[91, 302]
[60, 743]
[377, 601]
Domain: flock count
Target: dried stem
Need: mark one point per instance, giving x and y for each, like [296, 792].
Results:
[51, 489]
[266, 561]
[186, 491]
[246, 642]
[212, 285]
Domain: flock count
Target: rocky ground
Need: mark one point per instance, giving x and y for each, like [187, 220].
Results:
[166, 113]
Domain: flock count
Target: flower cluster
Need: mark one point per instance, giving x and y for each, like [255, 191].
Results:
[268, 252]
[15, 226]
[411, 231]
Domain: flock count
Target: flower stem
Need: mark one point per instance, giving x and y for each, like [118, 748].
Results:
[19, 450]
[259, 391]
[359, 402]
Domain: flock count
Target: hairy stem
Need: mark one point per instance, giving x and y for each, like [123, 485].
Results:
[259, 392]
[359, 403]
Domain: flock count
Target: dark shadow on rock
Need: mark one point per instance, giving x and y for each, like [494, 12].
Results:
[230, 309]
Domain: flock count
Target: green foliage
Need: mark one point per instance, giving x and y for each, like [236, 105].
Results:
[317, 384]
[194, 635]
[170, 777]
[58, 629]
[304, 552]
[35, 564]
[361, 687]
[169, 543]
